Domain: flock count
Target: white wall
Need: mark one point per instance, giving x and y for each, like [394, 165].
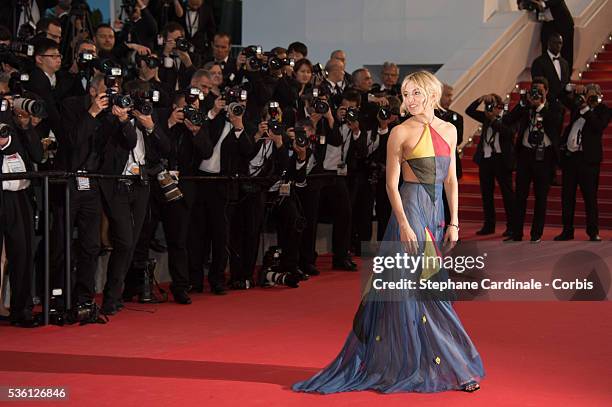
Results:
[406, 31]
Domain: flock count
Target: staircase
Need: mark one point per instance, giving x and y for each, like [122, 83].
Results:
[470, 203]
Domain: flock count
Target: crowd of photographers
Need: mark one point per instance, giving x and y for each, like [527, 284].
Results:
[161, 125]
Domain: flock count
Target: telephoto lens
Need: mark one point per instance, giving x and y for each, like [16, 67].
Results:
[6, 131]
[34, 107]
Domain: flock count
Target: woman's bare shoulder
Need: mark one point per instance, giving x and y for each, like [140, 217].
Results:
[447, 130]
[407, 129]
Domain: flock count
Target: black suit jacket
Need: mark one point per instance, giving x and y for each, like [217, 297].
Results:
[143, 31]
[206, 28]
[506, 136]
[552, 114]
[543, 66]
[8, 11]
[596, 121]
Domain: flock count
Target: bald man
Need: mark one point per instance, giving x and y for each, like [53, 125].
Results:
[340, 55]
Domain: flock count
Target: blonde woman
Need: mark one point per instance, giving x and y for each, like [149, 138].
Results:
[406, 340]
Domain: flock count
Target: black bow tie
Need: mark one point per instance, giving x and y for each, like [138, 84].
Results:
[556, 58]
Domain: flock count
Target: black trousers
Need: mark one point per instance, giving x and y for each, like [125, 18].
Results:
[529, 170]
[567, 52]
[211, 219]
[126, 211]
[290, 224]
[362, 195]
[383, 208]
[174, 217]
[577, 172]
[85, 214]
[246, 226]
[17, 232]
[331, 195]
[489, 170]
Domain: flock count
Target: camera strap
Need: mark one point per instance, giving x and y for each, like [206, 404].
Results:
[192, 25]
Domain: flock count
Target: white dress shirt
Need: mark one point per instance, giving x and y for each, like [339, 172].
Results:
[556, 63]
[574, 139]
[213, 164]
[546, 141]
[335, 155]
[137, 155]
[265, 151]
[487, 149]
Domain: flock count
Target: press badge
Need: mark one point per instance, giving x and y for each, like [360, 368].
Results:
[342, 170]
[83, 184]
[284, 190]
[15, 163]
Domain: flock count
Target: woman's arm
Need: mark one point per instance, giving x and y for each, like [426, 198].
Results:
[451, 186]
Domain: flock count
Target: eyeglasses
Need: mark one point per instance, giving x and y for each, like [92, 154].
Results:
[51, 55]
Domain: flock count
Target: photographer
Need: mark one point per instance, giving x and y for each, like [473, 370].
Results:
[25, 13]
[177, 67]
[51, 28]
[233, 144]
[84, 116]
[340, 55]
[172, 198]
[20, 147]
[129, 138]
[581, 158]
[390, 78]
[116, 51]
[362, 82]
[555, 18]
[539, 122]
[343, 150]
[269, 157]
[140, 28]
[200, 28]
[148, 72]
[495, 158]
[335, 81]
[221, 48]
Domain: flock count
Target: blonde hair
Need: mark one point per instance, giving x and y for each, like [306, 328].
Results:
[432, 87]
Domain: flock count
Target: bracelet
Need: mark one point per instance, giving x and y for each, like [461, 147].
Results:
[452, 224]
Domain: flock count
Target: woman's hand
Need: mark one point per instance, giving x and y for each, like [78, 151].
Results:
[451, 237]
[409, 239]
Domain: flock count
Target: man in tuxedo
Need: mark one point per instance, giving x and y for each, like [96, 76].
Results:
[51, 28]
[390, 77]
[555, 18]
[581, 158]
[552, 66]
[222, 45]
[539, 123]
[127, 148]
[13, 15]
[335, 81]
[495, 159]
[177, 66]
[20, 147]
[200, 27]
[233, 144]
[340, 55]
[141, 28]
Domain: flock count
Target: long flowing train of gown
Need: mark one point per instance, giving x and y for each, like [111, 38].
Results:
[410, 344]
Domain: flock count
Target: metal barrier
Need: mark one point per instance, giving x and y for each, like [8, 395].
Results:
[47, 176]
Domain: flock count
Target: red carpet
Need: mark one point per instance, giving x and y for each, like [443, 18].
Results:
[247, 348]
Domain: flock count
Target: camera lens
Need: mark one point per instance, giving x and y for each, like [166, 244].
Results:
[182, 44]
[301, 139]
[384, 113]
[33, 107]
[236, 108]
[352, 114]
[320, 106]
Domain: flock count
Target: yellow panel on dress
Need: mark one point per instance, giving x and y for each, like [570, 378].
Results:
[424, 147]
[431, 265]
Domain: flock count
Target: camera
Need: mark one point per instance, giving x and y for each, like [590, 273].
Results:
[117, 99]
[32, 106]
[86, 60]
[192, 95]
[536, 135]
[128, 6]
[594, 99]
[319, 105]
[252, 52]
[535, 93]
[489, 106]
[275, 127]
[107, 67]
[276, 63]
[301, 138]
[169, 186]
[150, 61]
[183, 45]
[384, 113]
[579, 100]
[6, 131]
[233, 97]
[143, 101]
[527, 5]
[193, 115]
[352, 115]
[319, 70]
[17, 47]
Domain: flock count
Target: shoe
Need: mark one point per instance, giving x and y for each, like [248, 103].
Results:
[595, 238]
[181, 297]
[27, 321]
[535, 239]
[218, 289]
[195, 288]
[507, 233]
[108, 308]
[564, 236]
[310, 270]
[241, 284]
[157, 246]
[346, 265]
[513, 239]
[119, 305]
[486, 231]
